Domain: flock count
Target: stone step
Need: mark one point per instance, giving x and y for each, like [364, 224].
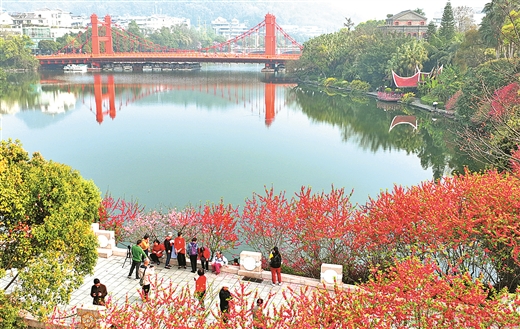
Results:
[104, 253]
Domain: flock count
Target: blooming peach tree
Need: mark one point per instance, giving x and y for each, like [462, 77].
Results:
[215, 225]
[411, 294]
[115, 214]
[267, 221]
[466, 223]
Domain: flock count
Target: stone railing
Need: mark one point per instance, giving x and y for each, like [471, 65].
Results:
[107, 243]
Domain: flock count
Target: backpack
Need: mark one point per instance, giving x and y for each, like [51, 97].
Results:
[141, 281]
[276, 261]
[193, 249]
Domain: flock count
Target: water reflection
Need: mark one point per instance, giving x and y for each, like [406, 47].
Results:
[389, 106]
[404, 119]
[366, 122]
[106, 97]
[223, 134]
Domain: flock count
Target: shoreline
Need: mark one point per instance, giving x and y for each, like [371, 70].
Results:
[415, 103]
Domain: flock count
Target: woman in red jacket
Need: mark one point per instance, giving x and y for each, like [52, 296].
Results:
[204, 256]
[157, 251]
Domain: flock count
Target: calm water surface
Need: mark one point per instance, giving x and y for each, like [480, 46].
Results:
[176, 138]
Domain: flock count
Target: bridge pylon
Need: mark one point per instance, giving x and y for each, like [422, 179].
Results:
[270, 34]
[97, 39]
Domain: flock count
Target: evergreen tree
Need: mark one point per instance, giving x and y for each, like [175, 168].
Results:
[447, 29]
[432, 31]
[420, 11]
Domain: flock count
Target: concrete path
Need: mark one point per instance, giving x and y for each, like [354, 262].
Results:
[110, 272]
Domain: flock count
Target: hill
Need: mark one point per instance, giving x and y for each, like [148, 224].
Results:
[201, 12]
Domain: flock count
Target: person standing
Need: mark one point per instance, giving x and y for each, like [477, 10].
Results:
[146, 271]
[275, 263]
[98, 292]
[137, 256]
[193, 252]
[204, 256]
[157, 252]
[224, 296]
[180, 248]
[168, 248]
[200, 287]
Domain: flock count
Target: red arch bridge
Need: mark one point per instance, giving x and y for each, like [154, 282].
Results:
[278, 49]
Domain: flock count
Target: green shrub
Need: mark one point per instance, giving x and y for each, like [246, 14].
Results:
[408, 98]
[344, 83]
[330, 82]
[428, 99]
[358, 85]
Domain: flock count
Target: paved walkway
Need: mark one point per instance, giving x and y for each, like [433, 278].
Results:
[110, 272]
[417, 103]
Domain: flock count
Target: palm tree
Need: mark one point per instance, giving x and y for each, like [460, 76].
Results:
[491, 26]
[408, 58]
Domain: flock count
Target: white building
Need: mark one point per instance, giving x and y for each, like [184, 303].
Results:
[44, 17]
[150, 24]
[5, 19]
[222, 26]
[309, 31]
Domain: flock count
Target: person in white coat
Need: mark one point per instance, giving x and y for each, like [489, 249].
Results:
[218, 261]
[146, 272]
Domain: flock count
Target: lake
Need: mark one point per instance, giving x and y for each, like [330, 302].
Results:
[170, 139]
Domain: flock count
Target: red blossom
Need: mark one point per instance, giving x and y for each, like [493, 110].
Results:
[505, 100]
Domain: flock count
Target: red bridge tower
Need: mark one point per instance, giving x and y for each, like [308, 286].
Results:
[97, 40]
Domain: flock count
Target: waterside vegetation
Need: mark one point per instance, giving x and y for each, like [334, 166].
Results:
[473, 71]
[442, 254]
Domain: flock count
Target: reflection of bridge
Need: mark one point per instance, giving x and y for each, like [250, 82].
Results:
[105, 96]
[140, 52]
[404, 119]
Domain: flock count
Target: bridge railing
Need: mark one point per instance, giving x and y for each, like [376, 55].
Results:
[173, 55]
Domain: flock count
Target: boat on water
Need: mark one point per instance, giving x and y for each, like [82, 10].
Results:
[391, 96]
[75, 68]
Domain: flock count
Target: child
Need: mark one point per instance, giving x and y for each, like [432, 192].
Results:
[258, 314]
[200, 287]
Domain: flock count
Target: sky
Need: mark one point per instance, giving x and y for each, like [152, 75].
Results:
[363, 10]
[332, 11]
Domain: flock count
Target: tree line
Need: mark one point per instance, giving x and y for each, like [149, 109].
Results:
[471, 65]
[449, 247]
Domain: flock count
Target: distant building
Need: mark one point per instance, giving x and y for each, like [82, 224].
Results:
[303, 33]
[232, 29]
[407, 22]
[6, 19]
[150, 24]
[43, 24]
[37, 34]
[43, 17]
[81, 21]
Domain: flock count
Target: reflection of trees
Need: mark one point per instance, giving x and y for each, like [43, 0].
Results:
[363, 123]
[19, 89]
